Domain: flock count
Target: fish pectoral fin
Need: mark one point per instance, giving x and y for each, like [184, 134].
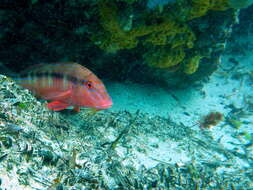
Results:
[57, 105]
[58, 95]
[76, 109]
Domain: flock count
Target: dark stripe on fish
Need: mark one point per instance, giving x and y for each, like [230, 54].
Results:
[53, 75]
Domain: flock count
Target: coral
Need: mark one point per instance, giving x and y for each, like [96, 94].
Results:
[127, 1]
[151, 4]
[236, 4]
[219, 5]
[170, 32]
[201, 7]
[114, 38]
[192, 65]
[164, 58]
[171, 35]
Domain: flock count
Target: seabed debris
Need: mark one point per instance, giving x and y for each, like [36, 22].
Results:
[42, 149]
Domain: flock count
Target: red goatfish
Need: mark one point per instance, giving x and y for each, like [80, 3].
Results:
[66, 84]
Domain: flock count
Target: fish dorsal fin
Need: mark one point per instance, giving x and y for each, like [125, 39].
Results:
[68, 68]
[58, 95]
[33, 68]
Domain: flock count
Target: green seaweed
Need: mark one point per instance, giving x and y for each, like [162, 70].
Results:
[22, 105]
[247, 136]
[235, 123]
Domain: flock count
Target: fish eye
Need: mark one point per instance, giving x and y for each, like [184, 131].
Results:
[89, 84]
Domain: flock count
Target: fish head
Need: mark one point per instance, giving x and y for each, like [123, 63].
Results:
[92, 93]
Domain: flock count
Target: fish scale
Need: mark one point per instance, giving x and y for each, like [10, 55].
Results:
[66, 84]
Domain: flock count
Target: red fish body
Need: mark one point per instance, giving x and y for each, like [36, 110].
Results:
[66, 84]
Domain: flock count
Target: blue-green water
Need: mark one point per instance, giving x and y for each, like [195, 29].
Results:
[180, 76]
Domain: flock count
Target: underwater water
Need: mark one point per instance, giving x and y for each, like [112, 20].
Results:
[160, 98]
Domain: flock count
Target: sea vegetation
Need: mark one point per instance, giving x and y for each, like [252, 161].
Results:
[239, 4]
[235, 123]
[201, 7]
[41, 149]
[193, 64]
[164, 32]
[211, 119]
